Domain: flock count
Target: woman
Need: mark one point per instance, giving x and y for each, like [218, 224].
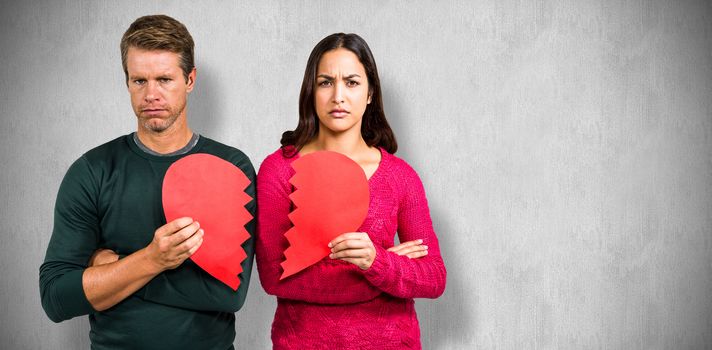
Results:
[361, 296]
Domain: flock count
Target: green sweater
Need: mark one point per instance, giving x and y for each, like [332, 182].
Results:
[111, 198]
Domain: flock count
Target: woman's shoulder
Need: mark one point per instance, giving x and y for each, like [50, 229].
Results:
[403, 178]
[397, 165]
[281, 155]
[278, 161]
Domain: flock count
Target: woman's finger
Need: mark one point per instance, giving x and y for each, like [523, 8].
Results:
[412, 249]
[348, 236]
[418, 254]
[405, 245]
[350, 244]
[350, 253]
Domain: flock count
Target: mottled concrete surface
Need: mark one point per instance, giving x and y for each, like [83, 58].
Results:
[565, 148]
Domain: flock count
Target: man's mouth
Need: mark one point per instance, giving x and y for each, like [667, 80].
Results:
[152, 110]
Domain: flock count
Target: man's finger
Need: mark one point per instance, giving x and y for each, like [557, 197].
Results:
[184, 233]
[195, 247]
[103, 256]
[173, 226]
[189, 243]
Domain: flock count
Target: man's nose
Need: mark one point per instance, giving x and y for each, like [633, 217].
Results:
[152, 92]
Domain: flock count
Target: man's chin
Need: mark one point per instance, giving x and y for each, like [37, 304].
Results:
[157, 122]
[157, 127]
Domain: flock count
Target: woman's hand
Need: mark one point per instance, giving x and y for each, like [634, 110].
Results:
[412, 249]
[353, 247]
[103, 256]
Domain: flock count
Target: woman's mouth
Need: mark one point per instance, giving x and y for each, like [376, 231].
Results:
[338, 113]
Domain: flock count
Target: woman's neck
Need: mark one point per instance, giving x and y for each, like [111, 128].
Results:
[349, 144]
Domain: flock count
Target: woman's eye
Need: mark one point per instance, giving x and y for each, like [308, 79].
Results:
[352, 83]
[325, 83]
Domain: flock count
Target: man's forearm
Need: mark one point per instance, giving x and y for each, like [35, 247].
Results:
[107, 285]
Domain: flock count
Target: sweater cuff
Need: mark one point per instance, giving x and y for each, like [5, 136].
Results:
[380, 267]
[70, 294]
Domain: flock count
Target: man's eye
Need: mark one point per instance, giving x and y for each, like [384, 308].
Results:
[164, 80]
[139, 81]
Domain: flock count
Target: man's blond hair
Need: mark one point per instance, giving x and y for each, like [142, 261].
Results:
[159, 32]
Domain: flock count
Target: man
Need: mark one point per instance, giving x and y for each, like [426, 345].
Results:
[112, 255]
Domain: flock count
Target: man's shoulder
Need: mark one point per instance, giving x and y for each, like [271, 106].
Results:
[229, 153]
[91, 166]
[216, 146]
[108, 150]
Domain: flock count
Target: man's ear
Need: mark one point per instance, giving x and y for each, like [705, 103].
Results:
[190, 82]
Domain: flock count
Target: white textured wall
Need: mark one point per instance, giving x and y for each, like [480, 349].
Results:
[565, 148]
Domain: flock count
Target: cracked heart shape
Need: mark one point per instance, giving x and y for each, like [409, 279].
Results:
[211, 190]
[331, 197]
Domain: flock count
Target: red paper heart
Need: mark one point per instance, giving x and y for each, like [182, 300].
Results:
[211, 190]
[331, 198]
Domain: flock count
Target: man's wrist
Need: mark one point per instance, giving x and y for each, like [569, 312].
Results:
[149, 264]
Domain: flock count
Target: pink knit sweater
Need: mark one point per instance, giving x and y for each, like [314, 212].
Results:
[334, 304]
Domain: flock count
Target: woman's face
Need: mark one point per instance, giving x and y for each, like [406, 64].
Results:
[341, 93]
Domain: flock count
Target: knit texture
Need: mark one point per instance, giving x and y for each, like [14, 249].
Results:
[334, 304]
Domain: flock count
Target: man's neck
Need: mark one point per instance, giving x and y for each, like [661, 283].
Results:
[165, 142]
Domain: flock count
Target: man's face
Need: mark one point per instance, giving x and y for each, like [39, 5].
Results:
[157, 87]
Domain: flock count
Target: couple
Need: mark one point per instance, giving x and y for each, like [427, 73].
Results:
[112, 255]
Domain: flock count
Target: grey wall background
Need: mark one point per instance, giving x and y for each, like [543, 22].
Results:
[565, 149]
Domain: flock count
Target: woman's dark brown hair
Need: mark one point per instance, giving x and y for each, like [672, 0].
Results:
[374, 126]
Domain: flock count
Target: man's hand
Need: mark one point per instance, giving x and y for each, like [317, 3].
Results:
[173, 243]
[103, 256]
[412, 249]
[108, 280]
